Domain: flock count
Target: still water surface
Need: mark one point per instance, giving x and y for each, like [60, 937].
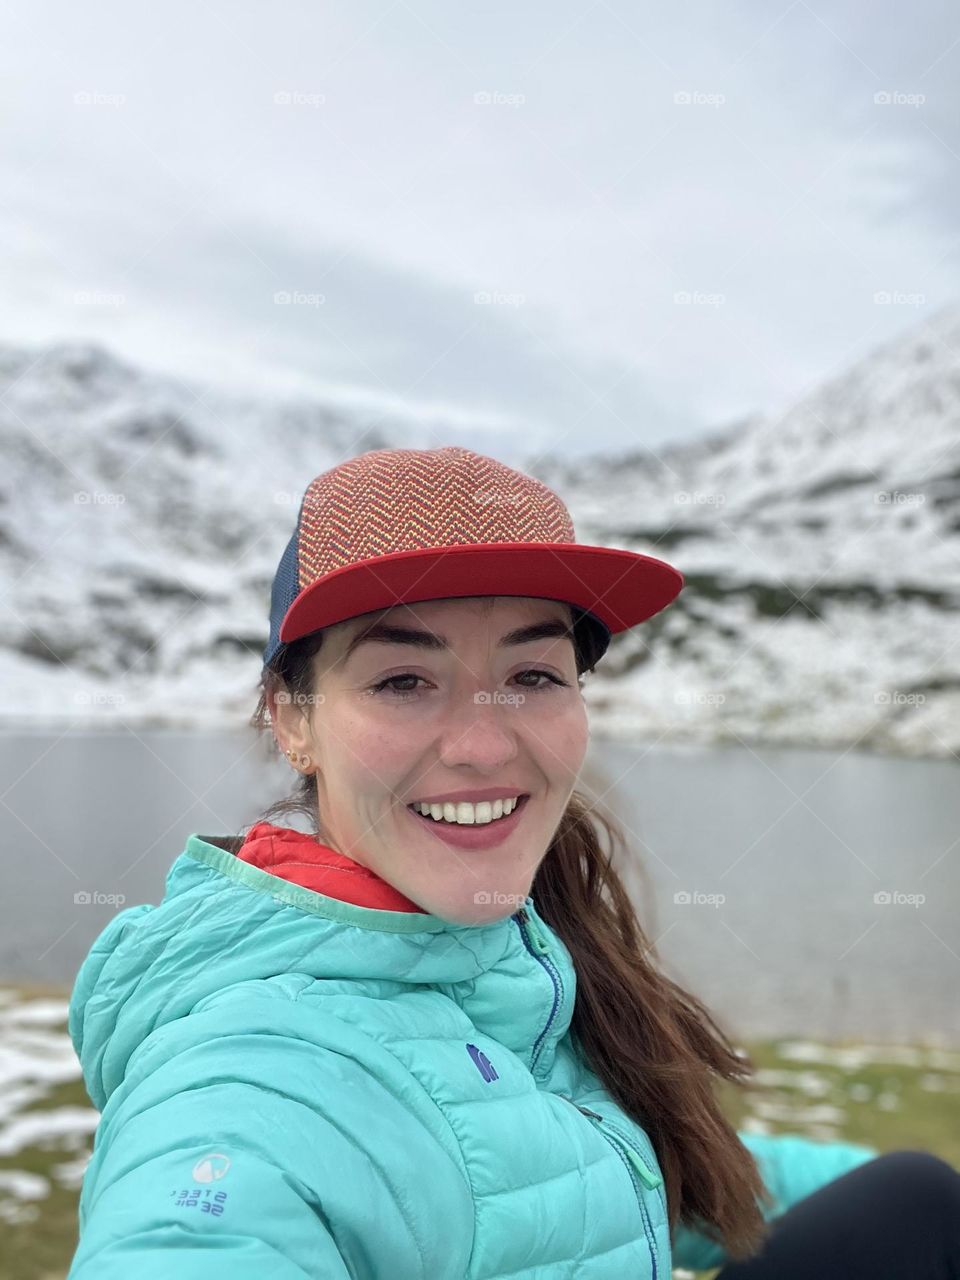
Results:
[757, 871]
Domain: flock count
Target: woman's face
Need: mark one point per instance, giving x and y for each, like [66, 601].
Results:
[443, 699]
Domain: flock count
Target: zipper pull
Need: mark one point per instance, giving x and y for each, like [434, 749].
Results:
[538, 940]
[644, 1172]
[647, 1176]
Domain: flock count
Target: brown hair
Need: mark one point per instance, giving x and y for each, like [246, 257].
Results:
[653, 1045]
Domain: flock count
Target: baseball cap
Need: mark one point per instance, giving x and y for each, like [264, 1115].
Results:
[398, 526]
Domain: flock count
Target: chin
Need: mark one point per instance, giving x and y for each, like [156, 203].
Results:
[468, 913]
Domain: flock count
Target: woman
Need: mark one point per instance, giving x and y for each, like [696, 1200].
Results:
[429, 1039]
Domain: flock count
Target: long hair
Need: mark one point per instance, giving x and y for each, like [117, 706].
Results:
[653, 1045]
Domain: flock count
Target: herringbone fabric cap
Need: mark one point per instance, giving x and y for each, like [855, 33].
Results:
[396, 526]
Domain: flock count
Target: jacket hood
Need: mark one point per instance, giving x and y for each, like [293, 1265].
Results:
[223, 921]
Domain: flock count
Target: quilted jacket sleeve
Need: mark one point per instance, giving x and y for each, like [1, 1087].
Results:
[792, 1166]
[259, 1137]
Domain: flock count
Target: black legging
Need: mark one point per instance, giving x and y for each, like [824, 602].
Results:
[897, 1217]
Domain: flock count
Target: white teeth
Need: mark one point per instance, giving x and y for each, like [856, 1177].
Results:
[465, 814]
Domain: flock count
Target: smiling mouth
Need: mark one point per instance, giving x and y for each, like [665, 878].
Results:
[491, 822]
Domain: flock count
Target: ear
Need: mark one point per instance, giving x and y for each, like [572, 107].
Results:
[289, 722]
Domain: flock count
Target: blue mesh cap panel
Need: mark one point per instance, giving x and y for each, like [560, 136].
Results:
[282, 594]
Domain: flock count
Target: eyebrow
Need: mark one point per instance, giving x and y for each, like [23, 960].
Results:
[387, 633]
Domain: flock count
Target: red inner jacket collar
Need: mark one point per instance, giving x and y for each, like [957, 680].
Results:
[301, 859]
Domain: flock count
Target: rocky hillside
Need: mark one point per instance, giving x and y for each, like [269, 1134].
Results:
[821, 552]
[141, 520]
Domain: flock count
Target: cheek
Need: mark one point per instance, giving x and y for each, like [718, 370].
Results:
[568, 734]
[373, 755]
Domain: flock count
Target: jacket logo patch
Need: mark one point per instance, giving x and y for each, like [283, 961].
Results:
[483, 1063]
[212, 1167]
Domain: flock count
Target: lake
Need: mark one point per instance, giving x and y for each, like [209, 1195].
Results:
[795, 892]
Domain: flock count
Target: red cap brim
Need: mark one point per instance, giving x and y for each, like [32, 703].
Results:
[621, 588]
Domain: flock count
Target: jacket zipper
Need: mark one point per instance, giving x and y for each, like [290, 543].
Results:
[539, 948]
[637, 1168]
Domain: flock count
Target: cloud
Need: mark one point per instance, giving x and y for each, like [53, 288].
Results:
[676, 216]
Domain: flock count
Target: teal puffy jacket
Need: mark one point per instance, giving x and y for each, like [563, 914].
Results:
[293, 1086]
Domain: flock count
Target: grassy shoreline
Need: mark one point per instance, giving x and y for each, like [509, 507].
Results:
[888, 1096]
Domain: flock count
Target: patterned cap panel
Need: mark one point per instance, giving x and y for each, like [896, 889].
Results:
[391, 500]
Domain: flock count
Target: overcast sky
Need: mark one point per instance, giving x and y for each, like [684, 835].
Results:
[168, 171]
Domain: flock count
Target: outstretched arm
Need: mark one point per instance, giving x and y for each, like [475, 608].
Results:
[792, 1166]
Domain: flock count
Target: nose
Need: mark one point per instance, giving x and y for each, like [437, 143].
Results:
[480, 731]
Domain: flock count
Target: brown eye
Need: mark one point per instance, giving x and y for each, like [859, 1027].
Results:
[539, 687]
[390, 683]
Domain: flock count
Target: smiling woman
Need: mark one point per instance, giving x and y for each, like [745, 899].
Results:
[448, 696]
[496, 714]
[437, 1011]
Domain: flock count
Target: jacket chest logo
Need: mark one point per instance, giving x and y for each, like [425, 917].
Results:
[482, 1063]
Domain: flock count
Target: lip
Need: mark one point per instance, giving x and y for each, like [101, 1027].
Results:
[472, 797]
[470, 835]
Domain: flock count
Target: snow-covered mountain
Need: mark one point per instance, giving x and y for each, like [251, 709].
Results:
[141, 520]
[821, 552]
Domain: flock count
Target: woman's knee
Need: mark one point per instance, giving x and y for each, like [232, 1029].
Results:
[918, 1176]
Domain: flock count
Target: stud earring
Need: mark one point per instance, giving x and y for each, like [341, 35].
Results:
[298, 761]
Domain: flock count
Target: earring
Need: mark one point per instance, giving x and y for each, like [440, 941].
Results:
[300, 761]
